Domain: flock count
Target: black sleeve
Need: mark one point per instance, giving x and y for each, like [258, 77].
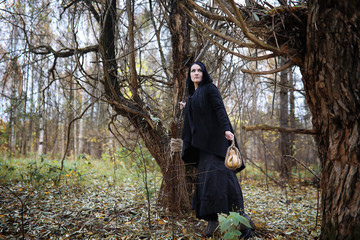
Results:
[217, 104]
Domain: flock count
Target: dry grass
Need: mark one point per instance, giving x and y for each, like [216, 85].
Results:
[97, 207]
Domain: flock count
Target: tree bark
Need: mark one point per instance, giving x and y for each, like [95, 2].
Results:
[285, 165]
[152, 131]
[40, 150]
[75, 124]
[41, 103]
[292, 119]
[180, 42]
[81, 125]
[131, 50]
[331, 78]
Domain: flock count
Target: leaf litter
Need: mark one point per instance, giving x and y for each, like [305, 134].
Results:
[120, 211]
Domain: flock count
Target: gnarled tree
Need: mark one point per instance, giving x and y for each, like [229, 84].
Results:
[115, 51]
[323, 39]
[151, 129]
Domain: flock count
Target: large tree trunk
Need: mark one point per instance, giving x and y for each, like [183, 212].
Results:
[153, 132]
[331, 77]
[180, 42]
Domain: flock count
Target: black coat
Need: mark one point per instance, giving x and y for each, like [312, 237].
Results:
[205, 125]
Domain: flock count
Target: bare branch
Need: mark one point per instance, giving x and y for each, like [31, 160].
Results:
[128, 107]
[222, 47]
[281, 184]
[264, 127]
[241, 23]
[282, 68]
[207, 14]
[158, 39]
[312, 172]
[93, 11]
[66, 52]
[22, 203]
[217, 33]
[68, 138]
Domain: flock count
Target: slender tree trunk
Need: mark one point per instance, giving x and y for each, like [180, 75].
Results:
[285, 166]
[292, 114]
[12, 138]
[253, 138]
[75, 124]
[41, 104]
[41, 134]
[55, 133]
[56, 116]
[32, 118]
[25, 133]
[81, 137]
[70, 117]
[331, 78]
[13, 79]
[63, 135]
[253, 119]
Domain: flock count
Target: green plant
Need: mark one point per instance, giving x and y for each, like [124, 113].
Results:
[230, 225]
[39, 173]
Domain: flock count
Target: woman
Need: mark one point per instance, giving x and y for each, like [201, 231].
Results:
[207, 133]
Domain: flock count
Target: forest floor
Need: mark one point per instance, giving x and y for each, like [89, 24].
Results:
[104, 207]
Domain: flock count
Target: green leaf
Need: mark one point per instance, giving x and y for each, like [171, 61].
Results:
[229, 235]
[221, 218]
[244, 221]
[232, 235]
[237, 233]
[236, 219]
[225, 225]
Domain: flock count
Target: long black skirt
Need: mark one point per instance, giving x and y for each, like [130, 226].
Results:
[217, 188]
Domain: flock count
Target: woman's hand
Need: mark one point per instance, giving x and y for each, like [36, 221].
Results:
[229, 135]
[182, 105]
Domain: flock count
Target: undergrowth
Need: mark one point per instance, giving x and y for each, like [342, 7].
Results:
[112, 198]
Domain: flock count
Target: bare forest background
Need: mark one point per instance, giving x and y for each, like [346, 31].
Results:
[44, 109]
[95, 81]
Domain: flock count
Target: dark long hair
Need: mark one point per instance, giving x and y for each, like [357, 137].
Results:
[206, 79]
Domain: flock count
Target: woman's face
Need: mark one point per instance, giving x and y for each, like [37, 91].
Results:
[196, 74]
